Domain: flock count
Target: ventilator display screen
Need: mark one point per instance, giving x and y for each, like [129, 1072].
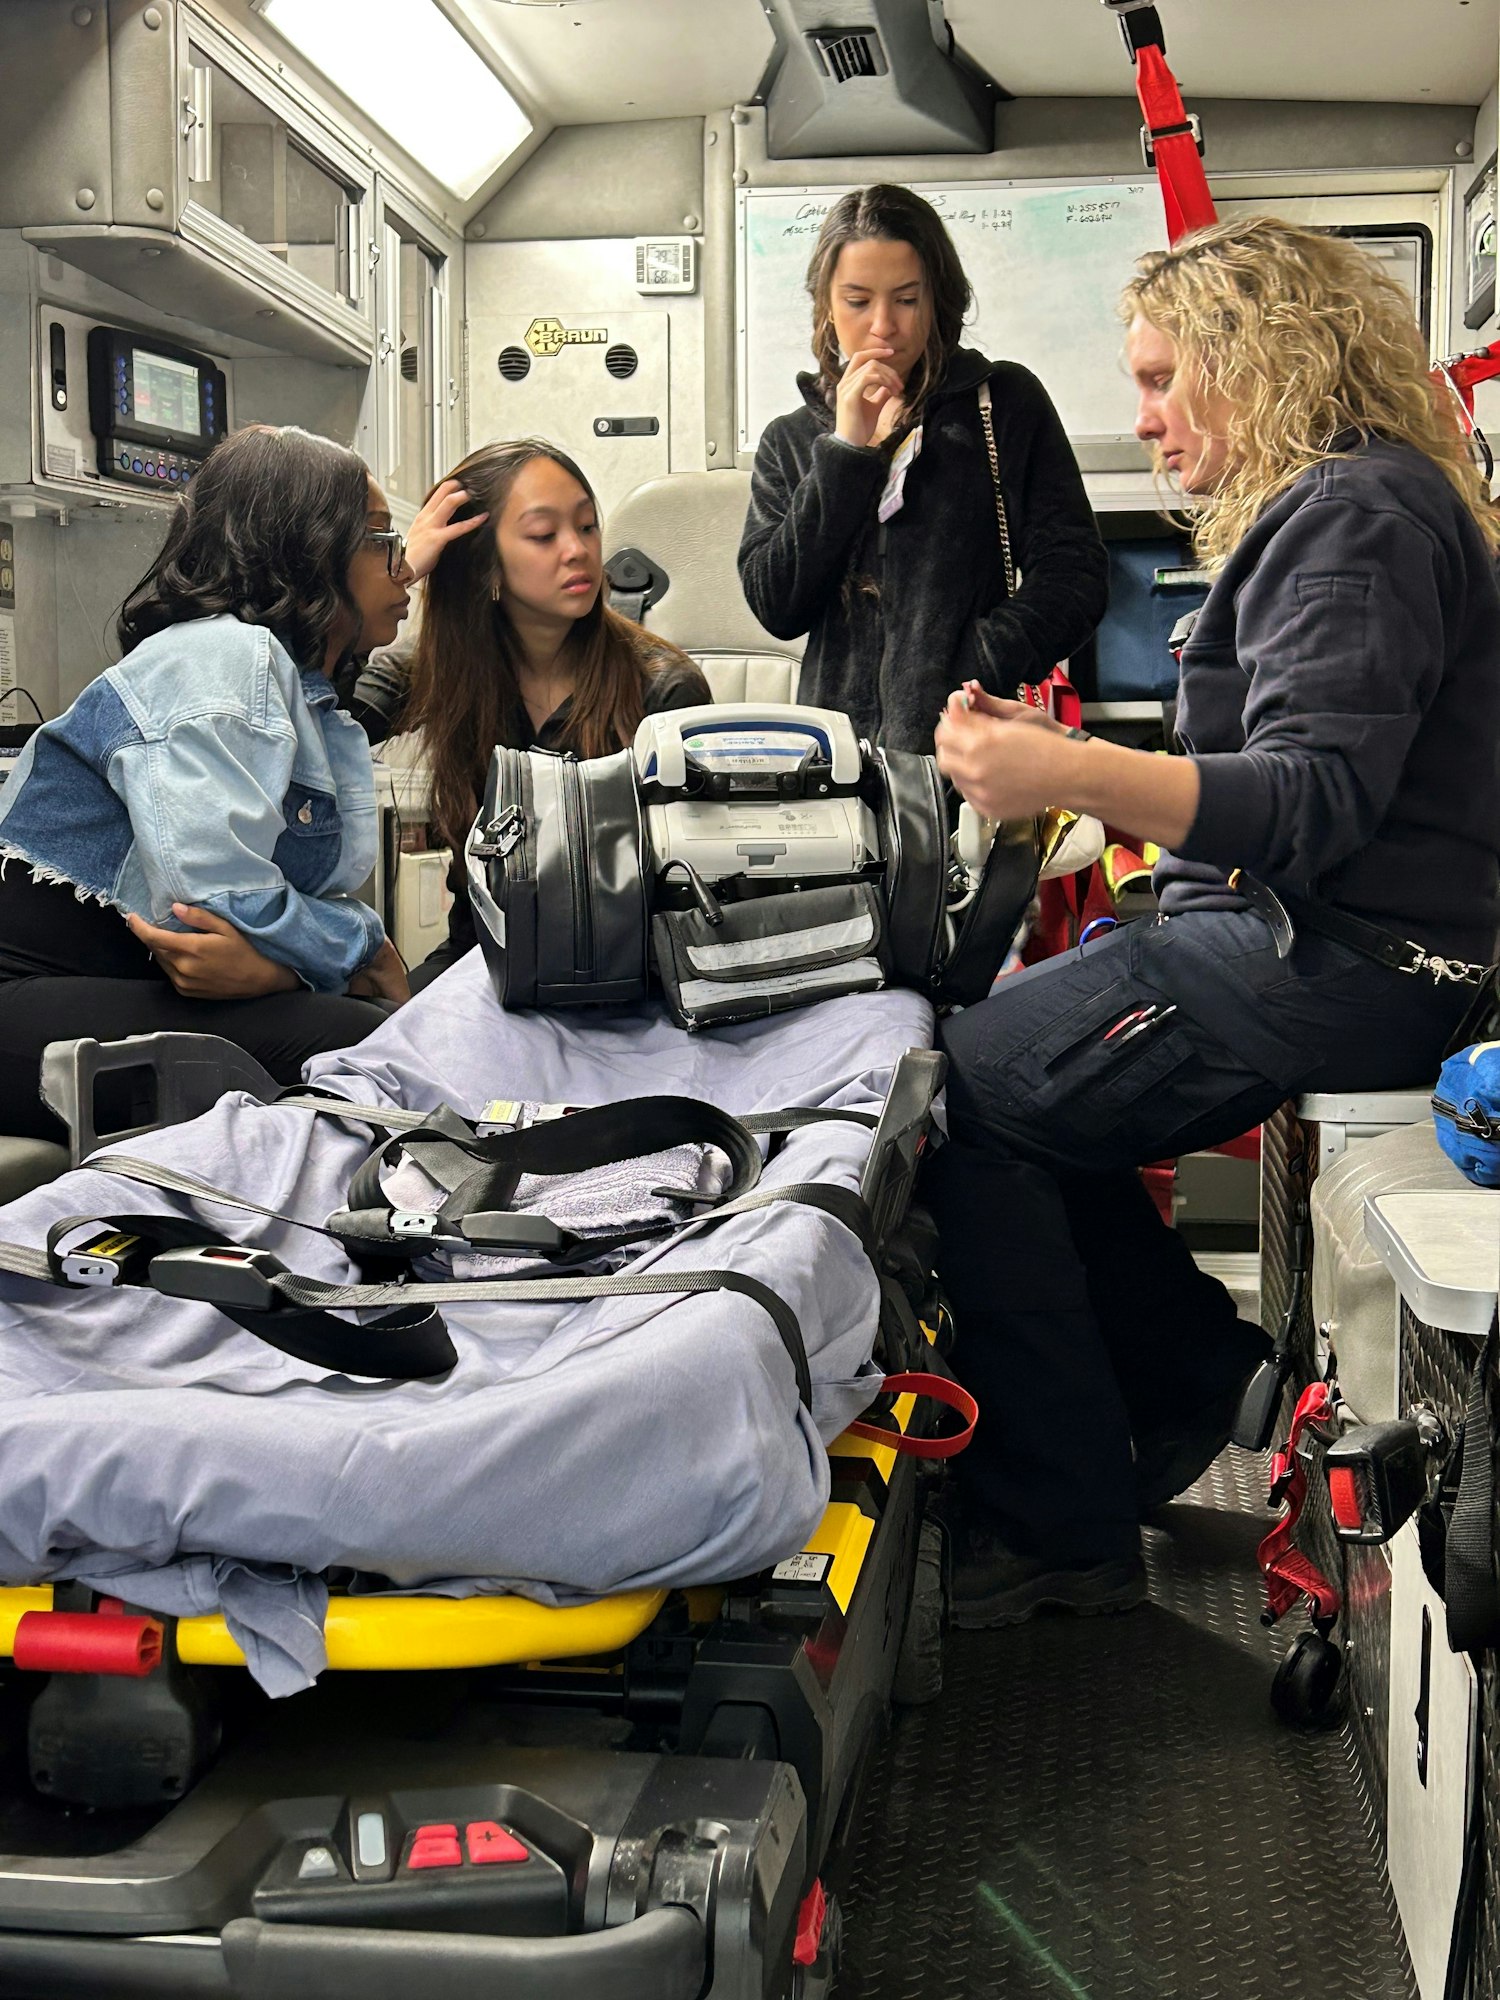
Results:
[753, 748]
[166, 393]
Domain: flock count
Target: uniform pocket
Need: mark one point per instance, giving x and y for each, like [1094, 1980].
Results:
[1073, 1081]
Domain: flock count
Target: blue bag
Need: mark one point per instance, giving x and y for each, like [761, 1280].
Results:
[1151, 585]
[1466, 1112]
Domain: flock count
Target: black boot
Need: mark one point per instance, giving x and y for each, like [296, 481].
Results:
[992, 1585]
[1168, 1463]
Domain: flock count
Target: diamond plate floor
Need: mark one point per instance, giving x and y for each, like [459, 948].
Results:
[1106, 1809]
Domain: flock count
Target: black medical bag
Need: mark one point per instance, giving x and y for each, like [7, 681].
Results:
[755, 857]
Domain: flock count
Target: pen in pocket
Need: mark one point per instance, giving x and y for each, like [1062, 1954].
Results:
[1137, 1022]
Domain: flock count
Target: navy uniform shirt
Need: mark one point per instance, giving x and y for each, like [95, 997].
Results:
[1341, 699]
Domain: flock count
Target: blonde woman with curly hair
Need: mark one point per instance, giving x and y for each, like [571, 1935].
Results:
[1340, 718]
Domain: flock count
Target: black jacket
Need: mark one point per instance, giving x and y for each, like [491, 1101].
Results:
[1341, 698]
[938, 615]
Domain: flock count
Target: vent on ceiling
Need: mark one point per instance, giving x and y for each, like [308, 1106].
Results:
[621, 361]
[846, 53]
[514, 363]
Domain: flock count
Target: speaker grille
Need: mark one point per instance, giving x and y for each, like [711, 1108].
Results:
[514, 363]
[622, 361]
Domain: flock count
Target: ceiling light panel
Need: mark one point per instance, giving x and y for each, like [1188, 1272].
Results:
[405, 64]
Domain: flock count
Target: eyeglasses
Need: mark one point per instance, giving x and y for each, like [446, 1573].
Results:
[391, 540]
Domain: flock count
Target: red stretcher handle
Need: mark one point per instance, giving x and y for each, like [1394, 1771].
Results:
[86, 1642]
[937, 1389]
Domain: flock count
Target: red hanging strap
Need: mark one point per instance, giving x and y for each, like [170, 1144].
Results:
[1288, 1573]
[1171, 138]
[1175, 138]
[937, 1389]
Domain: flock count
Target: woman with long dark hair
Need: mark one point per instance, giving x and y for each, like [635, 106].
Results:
[182, 848]
[921, 516]
[517, 644]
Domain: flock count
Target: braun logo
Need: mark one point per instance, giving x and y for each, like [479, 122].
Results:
[548, 337]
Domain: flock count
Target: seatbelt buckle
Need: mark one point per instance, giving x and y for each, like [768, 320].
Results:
[220, 1274]
[1191, 128]
[1378, 1475]
[514, 1114]
[413, 1222]
[1140, 25]
[522, 1235]
[109, 1259]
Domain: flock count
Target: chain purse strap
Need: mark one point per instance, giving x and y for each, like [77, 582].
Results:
[986, 417]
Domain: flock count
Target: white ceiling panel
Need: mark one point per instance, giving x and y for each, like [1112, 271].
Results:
[1379, 51]
[591, 61]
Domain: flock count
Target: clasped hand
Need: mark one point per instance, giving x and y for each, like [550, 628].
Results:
[1005, 758]
[211, 960]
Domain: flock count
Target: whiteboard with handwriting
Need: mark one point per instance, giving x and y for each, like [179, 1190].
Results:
[1046, 263]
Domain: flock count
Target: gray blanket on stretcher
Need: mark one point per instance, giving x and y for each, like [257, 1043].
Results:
[151, 1447]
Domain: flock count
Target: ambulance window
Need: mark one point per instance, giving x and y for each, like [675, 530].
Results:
[411, 275]
[249, 169]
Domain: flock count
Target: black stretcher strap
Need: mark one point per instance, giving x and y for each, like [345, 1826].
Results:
[1471, 1590]
[179, 1258]
[479, 1176]
[175, 1256]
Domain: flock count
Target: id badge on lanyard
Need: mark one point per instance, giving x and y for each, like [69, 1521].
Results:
[895, 486]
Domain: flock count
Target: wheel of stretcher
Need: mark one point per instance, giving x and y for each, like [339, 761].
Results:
[1307, 1681]
[919, 1663]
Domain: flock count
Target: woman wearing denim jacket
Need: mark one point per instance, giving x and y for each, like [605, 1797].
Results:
[180, 850]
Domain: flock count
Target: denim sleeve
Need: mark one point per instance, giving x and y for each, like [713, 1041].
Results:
[1340, 631]
[205, 810]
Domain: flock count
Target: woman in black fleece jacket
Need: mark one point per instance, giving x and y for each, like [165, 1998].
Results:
[1340, 710]
[899, 611]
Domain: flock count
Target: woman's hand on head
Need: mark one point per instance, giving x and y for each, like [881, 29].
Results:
[868, 405]
[211, 960]
[382, 978]
[1007, 759]
[434, 528]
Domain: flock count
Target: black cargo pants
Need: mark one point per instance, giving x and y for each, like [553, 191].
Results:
[1082, 1320]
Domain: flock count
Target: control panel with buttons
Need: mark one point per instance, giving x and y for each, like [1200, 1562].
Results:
[140, 462]
[156, 411]
[373, 1859]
